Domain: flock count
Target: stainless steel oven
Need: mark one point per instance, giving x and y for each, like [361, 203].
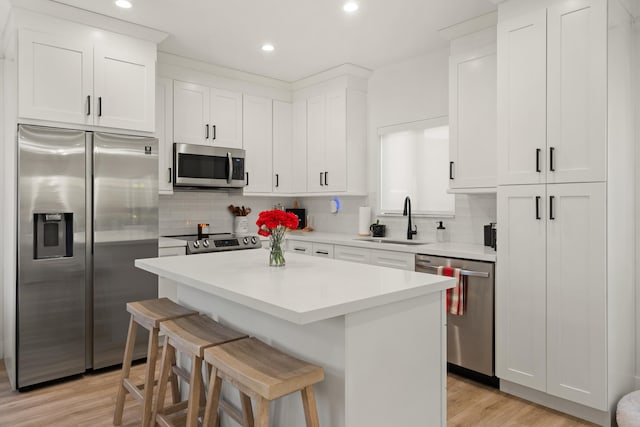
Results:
[470, 337]
[209, 167]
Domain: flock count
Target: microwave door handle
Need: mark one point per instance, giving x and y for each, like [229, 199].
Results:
[230, 163]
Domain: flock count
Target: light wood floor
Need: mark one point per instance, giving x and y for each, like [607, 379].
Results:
[89, 401]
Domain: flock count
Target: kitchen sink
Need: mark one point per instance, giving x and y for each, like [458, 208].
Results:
[390, 241]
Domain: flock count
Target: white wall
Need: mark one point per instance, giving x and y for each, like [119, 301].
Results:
[636, 83]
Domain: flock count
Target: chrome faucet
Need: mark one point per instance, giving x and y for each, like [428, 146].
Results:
[407, 212]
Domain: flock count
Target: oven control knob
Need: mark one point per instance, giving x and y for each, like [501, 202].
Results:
[205, 243]
[253, 240]
[245, 240]
[196, 244]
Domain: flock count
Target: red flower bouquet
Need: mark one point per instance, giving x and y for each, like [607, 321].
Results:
[274, 224]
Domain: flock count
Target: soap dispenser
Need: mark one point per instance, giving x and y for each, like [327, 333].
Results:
[441, 232]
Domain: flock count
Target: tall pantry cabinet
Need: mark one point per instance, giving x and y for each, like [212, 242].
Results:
[565, 279]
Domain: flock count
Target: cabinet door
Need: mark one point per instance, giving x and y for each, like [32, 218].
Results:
[191, 113]
[349, 253]
[521, 299]
[522, 99]
[56, 78]
[577, 91]
[577, 293]
[226, 118]
[315, 143]
[300, 247]
[323, 250]
[164, 132]
[400, 260]
[282, 147]
[124, 87]
[258, 122]
[335, 178]
[299, 148]
[472, 118]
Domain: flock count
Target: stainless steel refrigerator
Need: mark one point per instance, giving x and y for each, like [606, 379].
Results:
[87, 207]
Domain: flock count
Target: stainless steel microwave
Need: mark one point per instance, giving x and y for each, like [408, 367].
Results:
[204, 166]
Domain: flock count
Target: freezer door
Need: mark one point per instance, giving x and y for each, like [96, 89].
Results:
[51, 254]
[125, 188]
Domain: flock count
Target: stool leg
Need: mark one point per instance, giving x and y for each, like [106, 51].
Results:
[263, 412]
[152, 353]
[211, 418]
[247, 410]
[126, 368]
[175, 390]
[168, 354]
[310, 408]
[195, 384]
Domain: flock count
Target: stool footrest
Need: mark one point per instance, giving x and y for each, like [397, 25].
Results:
[231, 410]
[175, 415]
[181, 372]
[134, 390]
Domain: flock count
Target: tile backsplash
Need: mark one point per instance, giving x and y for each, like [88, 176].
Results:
[181, 212]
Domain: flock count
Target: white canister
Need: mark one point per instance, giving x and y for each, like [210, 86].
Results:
[240, 225]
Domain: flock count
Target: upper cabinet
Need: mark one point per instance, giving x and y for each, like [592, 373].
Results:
[289, 147]
[206, 116]
[336, 133]
[257, 121]
[164, 132]
[552, 98]
[472, 115]
[109, 81]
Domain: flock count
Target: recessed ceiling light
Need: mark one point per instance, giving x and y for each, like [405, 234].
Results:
[350, 6]
[268, 47]
[125, 4]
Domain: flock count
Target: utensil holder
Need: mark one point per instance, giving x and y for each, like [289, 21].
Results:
[240, 225]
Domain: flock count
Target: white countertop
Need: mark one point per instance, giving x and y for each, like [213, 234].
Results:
[306, 290]
[448, 249]
[168, 242]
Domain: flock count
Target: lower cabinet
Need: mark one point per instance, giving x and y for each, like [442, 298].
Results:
[168, 288]
[551, 290]
[400, 260]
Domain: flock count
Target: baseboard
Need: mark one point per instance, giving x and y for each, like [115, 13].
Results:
[595, 416]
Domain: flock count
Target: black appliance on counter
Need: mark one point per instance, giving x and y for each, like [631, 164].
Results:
[302, 216]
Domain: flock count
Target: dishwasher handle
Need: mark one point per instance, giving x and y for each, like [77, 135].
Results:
[421, 264]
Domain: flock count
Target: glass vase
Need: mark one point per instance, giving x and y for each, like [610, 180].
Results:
[276, 256]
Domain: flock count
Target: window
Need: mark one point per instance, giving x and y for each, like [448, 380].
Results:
[414, 162]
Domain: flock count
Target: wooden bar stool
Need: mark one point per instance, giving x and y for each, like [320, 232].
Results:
[263, 373]
[149, 314]
[190, 336]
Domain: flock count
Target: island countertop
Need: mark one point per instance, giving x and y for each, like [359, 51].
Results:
[307, 289]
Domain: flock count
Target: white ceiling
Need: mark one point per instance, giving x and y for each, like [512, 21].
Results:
[310, 36]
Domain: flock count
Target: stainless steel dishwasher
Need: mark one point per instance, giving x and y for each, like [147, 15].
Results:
[470, 337]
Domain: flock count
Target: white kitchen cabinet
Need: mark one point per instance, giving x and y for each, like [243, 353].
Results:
[336, 129]
[400, 260]
[283, 159]
[551, 284]
[257, 119]
[106, 81]
[521, 288]
[552, 94]
[207, 116]
[300, 247]
[299, 148]
[323, 250]
[353, 254]
[473, 118]
[583, 68]
[164, 132]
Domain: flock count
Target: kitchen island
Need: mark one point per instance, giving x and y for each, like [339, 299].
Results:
[378, 332]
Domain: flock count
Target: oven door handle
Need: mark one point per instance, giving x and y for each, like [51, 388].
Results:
[230, 163]
[470, 273]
